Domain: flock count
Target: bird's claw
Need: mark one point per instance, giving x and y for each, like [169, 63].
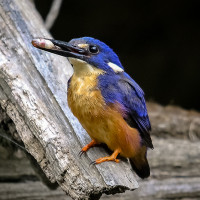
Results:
[81, 153]
[100, 160]
[93, 163]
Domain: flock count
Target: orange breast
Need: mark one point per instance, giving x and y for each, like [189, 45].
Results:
[84, 97]
[103, 123]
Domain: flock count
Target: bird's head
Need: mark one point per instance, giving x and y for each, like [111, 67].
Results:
[83, 53]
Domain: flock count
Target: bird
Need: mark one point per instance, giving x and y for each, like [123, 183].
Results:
[108, 103]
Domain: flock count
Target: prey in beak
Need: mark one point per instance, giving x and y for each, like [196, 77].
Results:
[61, 48]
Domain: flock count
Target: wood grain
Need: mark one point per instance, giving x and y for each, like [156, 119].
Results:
[33, 86]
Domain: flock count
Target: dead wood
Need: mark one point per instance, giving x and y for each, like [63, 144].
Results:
[33, 86]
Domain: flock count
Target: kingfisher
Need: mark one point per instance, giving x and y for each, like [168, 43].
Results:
[108, 103]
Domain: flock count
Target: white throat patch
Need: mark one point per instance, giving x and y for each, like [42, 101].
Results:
[115, 67]
[82, 68]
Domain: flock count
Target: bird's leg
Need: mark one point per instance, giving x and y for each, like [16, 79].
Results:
[87, 147]
[108, 158]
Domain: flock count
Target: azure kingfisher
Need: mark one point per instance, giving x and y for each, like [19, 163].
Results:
[108, 103]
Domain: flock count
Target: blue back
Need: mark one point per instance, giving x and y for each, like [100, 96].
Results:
[119, 88]
[123, 89]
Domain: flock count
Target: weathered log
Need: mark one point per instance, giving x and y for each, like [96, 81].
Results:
[33, 87]
[174, 167]
[174, 121]
[174, 172]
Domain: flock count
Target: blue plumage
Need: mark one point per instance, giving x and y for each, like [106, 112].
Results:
[107, 101]
[119, 87]
[124, 90]
[105, 55]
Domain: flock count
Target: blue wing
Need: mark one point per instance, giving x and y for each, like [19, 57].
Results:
[126, 91]
[136, 106]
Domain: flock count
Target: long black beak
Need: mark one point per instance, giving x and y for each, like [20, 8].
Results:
[60, 48]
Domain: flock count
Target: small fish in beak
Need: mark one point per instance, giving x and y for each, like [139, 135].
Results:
[44, 44]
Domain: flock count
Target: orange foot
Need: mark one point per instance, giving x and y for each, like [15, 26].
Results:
[107, 158]
[87, 147]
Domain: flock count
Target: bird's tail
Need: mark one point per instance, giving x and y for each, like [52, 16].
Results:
[140, 164]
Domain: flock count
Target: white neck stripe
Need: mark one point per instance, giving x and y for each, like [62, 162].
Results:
[115, 67]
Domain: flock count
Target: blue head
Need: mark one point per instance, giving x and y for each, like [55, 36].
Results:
[98, 54]
[84, 51]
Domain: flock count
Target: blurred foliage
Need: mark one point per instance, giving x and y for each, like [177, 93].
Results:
[157, 41]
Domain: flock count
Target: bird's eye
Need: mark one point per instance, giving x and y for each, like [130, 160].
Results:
[93, 49]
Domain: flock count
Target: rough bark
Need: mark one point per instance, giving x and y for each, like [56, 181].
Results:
[174, 175]
[33, 87]
[174, 121]
[174, 163]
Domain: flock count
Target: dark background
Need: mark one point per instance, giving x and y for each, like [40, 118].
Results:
[157, 42]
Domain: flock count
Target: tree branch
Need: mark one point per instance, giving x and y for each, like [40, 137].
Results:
[174, 121]
[53, 14]
[33, 87]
